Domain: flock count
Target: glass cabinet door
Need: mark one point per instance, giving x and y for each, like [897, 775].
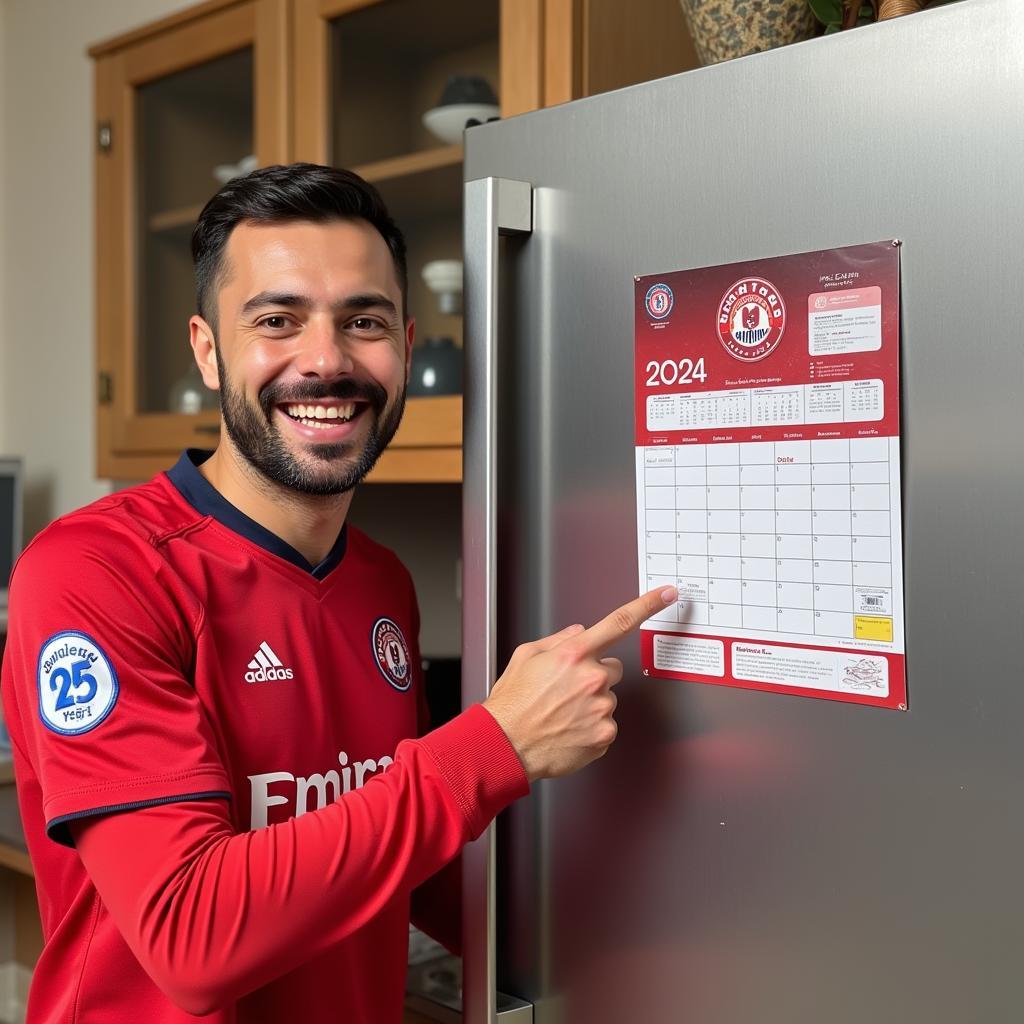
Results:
[186, 109]
[195, 131]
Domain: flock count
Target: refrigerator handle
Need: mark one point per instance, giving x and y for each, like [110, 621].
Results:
[493, 207]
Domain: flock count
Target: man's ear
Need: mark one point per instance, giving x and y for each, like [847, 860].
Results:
[410, 336]
[204, 348]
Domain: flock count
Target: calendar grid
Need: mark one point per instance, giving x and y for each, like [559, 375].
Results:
[790, 537]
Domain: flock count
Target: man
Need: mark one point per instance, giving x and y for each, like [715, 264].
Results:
[211, 682]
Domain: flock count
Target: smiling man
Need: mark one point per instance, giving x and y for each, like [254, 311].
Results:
[212, 682]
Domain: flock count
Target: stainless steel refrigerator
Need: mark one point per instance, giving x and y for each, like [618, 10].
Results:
[738, 856]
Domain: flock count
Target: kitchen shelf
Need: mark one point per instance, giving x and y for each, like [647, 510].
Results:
[428, 445]
[411, 163]
[171, 220]
[433, 421]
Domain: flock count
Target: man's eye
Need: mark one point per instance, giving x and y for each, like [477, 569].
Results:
[366, 323]
[274, 323]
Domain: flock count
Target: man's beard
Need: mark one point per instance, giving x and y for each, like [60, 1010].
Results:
[338, 467]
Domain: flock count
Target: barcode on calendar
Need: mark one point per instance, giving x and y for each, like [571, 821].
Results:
[872, 600]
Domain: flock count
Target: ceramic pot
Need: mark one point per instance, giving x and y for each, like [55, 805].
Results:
[467, 89]
[436, 368]
[723, 29]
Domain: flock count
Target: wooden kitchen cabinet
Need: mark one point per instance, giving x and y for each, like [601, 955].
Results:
[329, 81]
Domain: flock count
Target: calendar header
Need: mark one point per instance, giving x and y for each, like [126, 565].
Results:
[787, 348]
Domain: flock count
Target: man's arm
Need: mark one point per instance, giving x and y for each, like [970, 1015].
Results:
[212, 915]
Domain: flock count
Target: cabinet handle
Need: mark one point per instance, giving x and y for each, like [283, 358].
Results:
[104, 136]
[493, 207]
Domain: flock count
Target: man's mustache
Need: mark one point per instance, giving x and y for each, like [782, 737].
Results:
[348, 389]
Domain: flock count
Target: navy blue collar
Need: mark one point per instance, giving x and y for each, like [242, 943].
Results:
[208, 501]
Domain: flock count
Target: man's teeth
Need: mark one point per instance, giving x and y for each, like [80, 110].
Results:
[310, 414]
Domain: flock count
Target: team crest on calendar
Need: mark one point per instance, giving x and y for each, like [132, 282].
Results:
[659, 301]
[391, 653]
[751, 319]
[77, 684]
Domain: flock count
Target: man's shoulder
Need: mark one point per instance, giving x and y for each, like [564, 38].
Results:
[116, 528]
[104, 566]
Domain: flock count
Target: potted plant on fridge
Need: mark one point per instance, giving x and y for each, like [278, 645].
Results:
[841, 14]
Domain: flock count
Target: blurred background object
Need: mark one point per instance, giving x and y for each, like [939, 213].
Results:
[466, 100]
[436, 368]
[444, 279]
[189, 395]
[225, 172]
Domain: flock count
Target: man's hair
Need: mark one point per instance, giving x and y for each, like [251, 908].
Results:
[277, 195]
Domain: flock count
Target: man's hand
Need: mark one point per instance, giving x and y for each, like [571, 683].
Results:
[555, 702]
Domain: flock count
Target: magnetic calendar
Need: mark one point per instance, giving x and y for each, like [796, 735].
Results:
[768, 473]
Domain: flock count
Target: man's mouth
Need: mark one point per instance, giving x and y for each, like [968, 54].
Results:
[320, 415]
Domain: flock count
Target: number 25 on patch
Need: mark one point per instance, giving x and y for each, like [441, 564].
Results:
[77, 684]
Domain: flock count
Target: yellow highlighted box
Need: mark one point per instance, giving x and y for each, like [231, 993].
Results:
[872, 627]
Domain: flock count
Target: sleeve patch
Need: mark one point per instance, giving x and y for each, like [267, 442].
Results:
[77, 684]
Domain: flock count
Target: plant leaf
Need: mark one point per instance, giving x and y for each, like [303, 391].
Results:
[826, 11]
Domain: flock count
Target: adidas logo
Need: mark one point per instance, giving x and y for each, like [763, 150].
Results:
[266, 666]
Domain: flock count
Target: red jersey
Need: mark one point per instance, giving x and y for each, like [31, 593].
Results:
[226, 732]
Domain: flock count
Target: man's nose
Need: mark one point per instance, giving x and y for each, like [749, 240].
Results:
[324, 350]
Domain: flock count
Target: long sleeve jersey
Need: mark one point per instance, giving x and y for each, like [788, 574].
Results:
[222, 794]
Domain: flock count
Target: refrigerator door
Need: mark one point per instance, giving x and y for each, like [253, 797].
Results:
[742, 856]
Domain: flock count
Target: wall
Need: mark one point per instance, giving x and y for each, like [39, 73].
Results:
[47, 367]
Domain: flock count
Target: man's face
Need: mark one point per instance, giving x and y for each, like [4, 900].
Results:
[312, 355]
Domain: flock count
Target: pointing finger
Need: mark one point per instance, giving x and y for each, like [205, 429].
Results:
[624, 620]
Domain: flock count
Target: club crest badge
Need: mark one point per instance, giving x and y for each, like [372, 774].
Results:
[751, 319]
[659, 301]
[391, 653]
[77, 684]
